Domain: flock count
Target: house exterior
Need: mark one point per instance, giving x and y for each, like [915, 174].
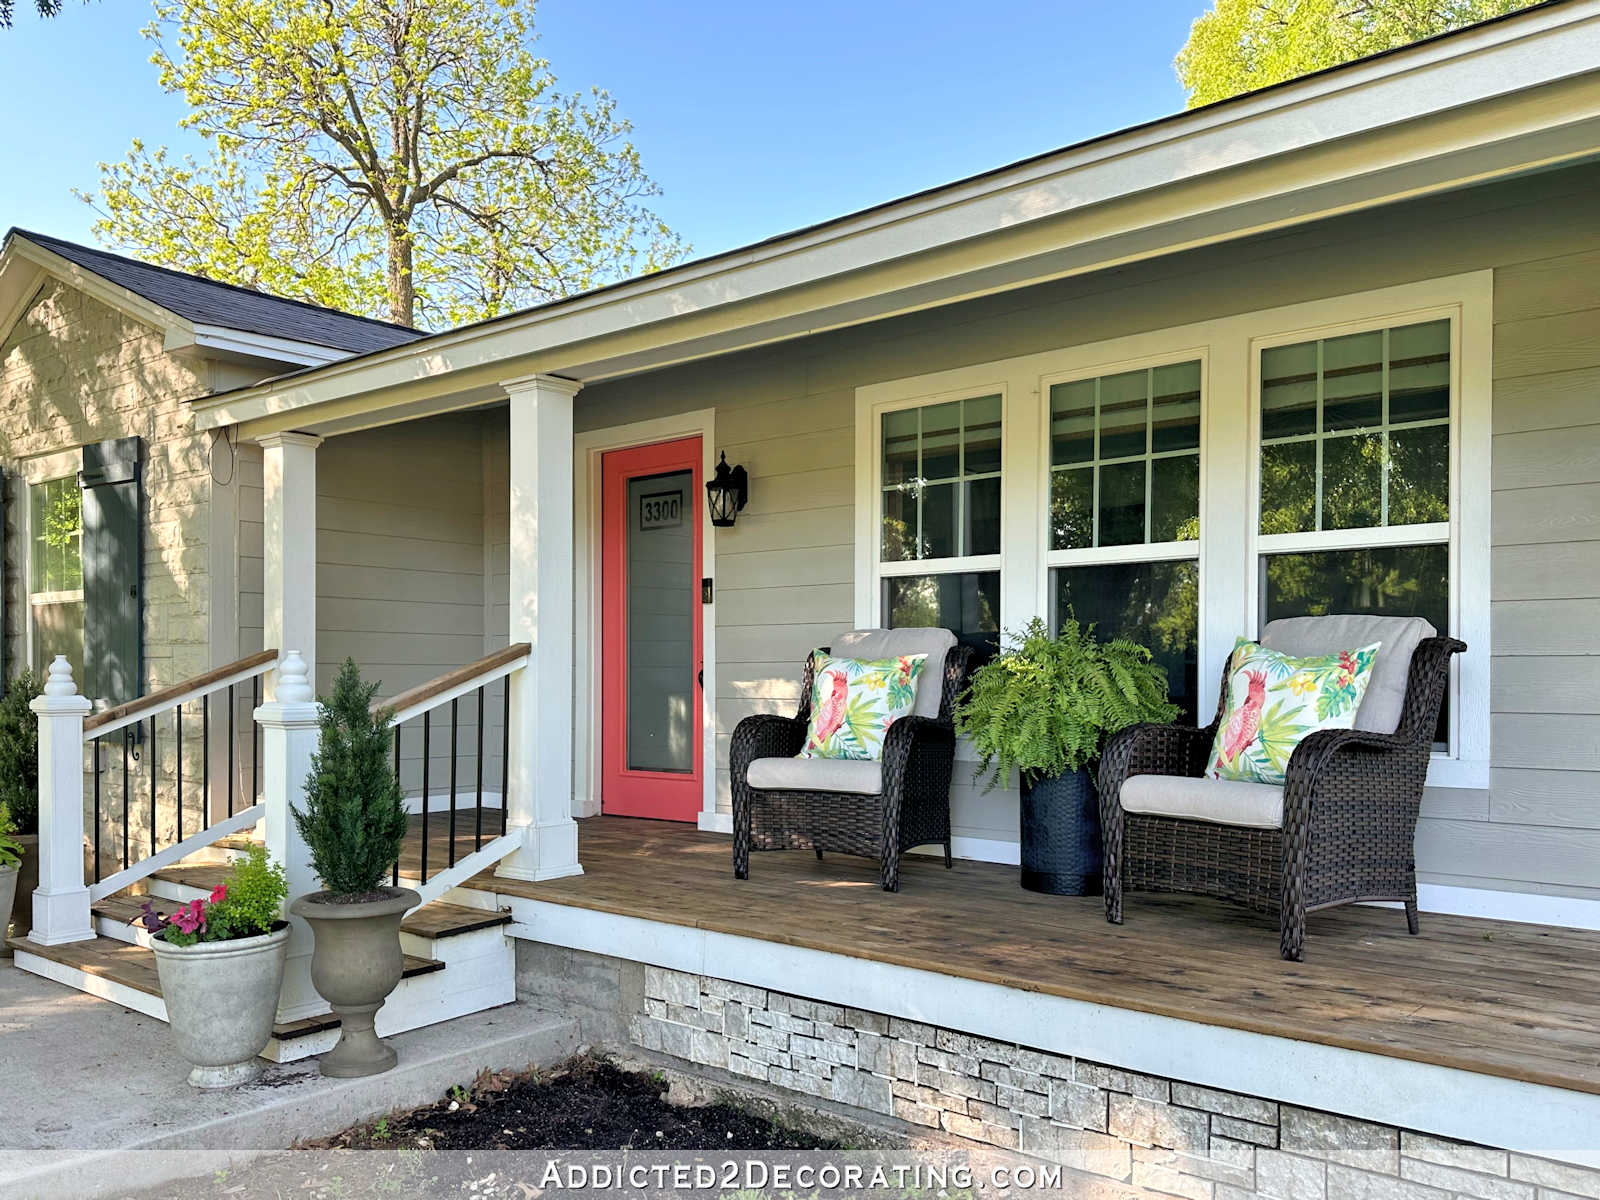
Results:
[1333, 346]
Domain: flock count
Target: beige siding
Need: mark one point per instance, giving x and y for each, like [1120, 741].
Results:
[787, 412]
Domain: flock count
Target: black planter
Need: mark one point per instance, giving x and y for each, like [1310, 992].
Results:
[1061, 835]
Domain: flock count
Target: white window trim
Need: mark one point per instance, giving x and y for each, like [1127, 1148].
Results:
[44, 468]
[1229, 544]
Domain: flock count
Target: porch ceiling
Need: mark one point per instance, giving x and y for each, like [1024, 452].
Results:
[1502, 99]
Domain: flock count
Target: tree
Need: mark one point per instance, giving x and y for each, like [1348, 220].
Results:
[405, 158]
[45, 8]
[1241, 45]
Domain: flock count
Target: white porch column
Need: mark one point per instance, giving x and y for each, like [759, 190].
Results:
[61, 901]
[539, 735]
[289, 735]
[289, 516]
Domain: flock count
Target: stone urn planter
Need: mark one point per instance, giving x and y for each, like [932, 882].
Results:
[221, 1000]
[356, 963]
[21, 907]
[8, 890]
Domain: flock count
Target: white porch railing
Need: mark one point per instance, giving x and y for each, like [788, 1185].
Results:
[444, 698]
[61, 904]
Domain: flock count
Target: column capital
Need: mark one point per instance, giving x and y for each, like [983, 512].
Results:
[542, 383]
[289, 437]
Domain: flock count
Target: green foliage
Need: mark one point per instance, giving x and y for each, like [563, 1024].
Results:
[407, 160]
[1045, 706]
[355, 818]
[19, 751]
[256, 890]
[10, 848]
[1241, 45]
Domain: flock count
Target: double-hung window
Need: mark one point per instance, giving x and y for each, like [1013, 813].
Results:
[1355, 476]
[938, 552]
[1123, 511]
[55, 578]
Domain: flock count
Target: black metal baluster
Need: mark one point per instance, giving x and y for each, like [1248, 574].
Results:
[505, 757]
[150, 761]
[452, 854]
[127, 848]
[426, 723]
[477, 824]
[94, 748]
[177, 725]
[402, 797]
[205, 761]
[232, 704]
[255, 740]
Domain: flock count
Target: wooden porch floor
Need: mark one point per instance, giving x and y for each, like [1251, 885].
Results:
[1519, 1001]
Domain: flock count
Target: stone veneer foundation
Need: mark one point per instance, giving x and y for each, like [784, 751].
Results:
[1164, 1136]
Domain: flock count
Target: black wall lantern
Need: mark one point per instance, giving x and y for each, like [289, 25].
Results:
[727, 494]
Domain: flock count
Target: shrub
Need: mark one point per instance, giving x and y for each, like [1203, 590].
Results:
[10, 848]
[1046, 705]
[247, 904]
[354, 820]
[19, 751]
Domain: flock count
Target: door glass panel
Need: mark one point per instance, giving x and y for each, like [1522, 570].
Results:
[660, 620]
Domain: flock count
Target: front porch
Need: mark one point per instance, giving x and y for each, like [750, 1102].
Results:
[1485, 1031]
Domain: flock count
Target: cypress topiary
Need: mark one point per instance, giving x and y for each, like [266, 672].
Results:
[354, 821]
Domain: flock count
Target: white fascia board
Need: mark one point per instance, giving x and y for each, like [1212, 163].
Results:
[222, 340]
[1414, 107]
[103, 290]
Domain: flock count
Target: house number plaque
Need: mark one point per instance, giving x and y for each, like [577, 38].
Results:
[660, 510]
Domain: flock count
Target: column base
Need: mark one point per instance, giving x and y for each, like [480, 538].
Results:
[550, 852]
[61, 917]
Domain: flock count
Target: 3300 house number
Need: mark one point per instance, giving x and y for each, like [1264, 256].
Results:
[660, 510]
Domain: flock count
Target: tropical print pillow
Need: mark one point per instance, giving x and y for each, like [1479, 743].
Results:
[855, 700]
[1275, 701]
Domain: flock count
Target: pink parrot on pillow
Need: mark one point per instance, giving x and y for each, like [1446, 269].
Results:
[830, 713]
[1245, 720]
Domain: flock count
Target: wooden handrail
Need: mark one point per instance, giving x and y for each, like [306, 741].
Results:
[158, 700]
[412, 698]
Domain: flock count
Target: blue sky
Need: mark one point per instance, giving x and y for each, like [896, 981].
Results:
[754, 118]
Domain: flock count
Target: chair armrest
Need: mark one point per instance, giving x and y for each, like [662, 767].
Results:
[1318, 753]
[765, 735]
[912, 736]
[1152, 749]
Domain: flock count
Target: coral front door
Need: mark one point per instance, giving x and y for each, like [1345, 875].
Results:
[652, 711]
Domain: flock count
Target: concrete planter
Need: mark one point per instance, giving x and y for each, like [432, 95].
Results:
[357, 962]
[21, 908]
[8, 889]
[221, 1000]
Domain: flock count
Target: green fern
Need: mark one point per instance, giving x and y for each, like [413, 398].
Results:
[1045, 706]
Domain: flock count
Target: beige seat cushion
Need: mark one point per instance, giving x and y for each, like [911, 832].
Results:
[859, 775]
[1220, 801]
[1386, 691]
[893, 643]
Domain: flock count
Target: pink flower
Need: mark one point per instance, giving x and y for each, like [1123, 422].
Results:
[191, 918]
[219, 893]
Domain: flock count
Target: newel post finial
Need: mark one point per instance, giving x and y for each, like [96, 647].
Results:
[294, 682]
[58, 681]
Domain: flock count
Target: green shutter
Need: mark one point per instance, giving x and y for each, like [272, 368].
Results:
[113, 569]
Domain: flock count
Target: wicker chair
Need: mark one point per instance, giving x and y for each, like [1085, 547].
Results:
[1348, 807]
[882, 809]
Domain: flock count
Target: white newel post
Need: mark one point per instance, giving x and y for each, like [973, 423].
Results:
[289, 534]
[61, 901]
[288, 738]
[539, 735]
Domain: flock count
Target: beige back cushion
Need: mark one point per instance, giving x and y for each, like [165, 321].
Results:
[893, 643]
[1386, 693]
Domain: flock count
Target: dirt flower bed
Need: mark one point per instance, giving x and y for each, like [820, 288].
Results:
[586, 1104]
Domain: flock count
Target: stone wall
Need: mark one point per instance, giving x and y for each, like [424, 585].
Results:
[1163, 1136]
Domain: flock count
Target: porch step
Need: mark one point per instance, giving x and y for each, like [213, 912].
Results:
[125, 973]
[182, 883]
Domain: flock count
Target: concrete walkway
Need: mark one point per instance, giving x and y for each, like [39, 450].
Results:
[81, 1078]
